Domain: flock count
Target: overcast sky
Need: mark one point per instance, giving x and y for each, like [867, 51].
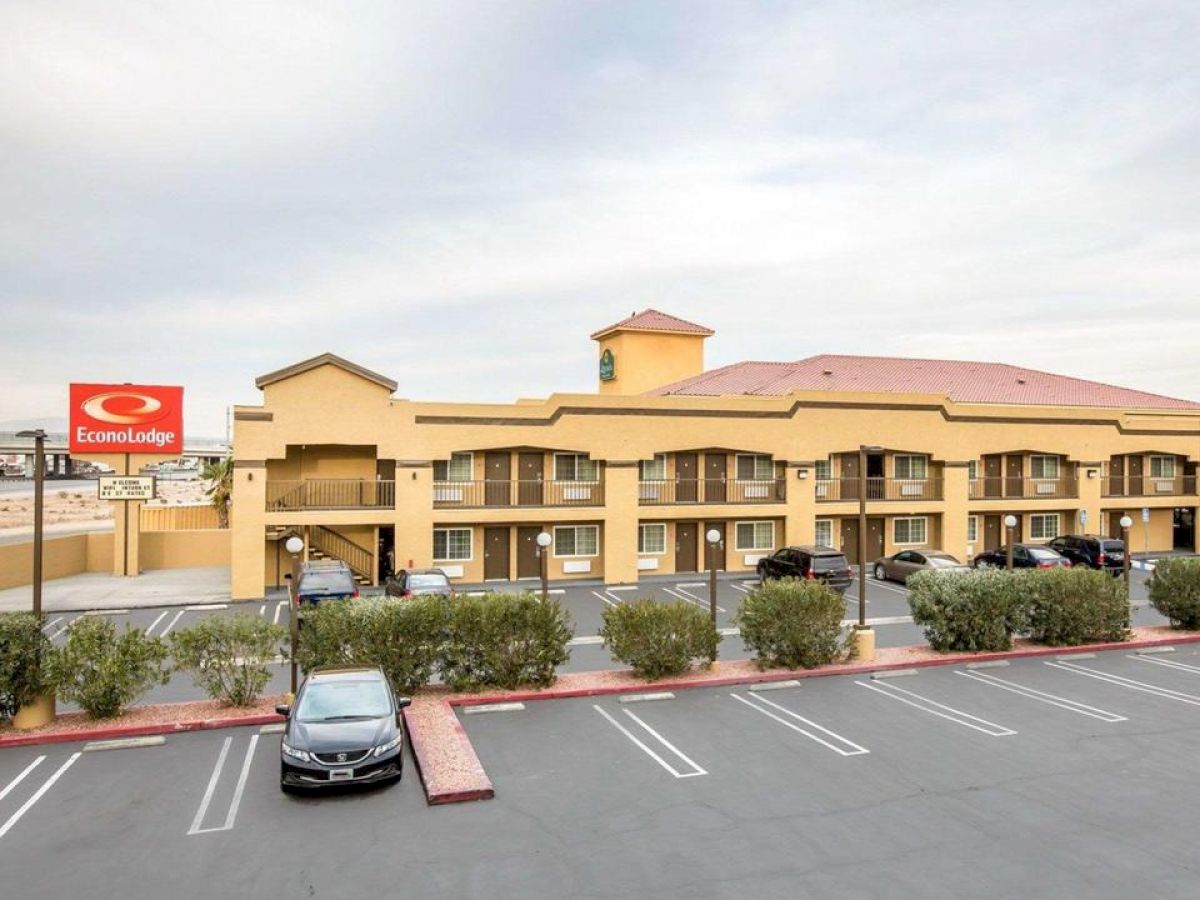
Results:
[457, 194]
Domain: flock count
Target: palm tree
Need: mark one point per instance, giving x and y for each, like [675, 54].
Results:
[220, 491]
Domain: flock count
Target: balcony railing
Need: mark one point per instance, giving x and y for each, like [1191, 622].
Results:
[330, 493]
[1004, 487]
[711, 490]
[831, 489]
[1147, 485]
[475, 494]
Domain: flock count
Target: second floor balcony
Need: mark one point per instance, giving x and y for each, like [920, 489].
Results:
[667, 492]
[834, 489]
[501, 493]
[1008, 487]
[330, 493]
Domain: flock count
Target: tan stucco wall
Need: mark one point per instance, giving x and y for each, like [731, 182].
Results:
[185, 549]
[646, 360]
[61, 556]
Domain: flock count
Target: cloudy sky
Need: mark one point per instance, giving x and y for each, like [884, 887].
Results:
[457, 194]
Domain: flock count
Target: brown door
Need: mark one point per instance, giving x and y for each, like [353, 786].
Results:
[497, 469]
[1136, 487]
[495, 553]
[991, 532]
[685, 480]
[874, 539]
[529, 561]
[850, 540]
[714, 478]
[1013, 481]
[1116, 476]
[685, 546]
[849, 476]
[529, 479]
[991, 475]
[719, 551]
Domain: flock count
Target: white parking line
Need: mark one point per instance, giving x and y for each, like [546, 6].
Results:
[1168, 663]
[49, 625]
[889, 586]
[1042, 697]
[742, 588]
[1129, 683]
[262, 610]
[162, 615]
[239, 789]
[172, 624]
[206, 607]
[600, 596]
[60, 632]
[932, 707]
[28, 804]
[12, 784]
[278, 611]
[855, 750]
[649, 752]
[700, 601]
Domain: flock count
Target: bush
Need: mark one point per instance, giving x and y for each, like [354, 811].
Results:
[974, 610]
[402, 637]
[23, 648]
[1175, 591]
[658, 639]
[1074, 606]
[505, 640]
[793, 623]
[228, 655]
[103, 671]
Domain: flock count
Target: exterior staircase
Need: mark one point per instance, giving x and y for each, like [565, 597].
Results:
[326, 543]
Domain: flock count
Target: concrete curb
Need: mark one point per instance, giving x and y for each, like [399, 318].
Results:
[427, 768]
[110, 732]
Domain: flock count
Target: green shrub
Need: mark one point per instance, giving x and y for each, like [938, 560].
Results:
[403, 637]
[23, 649]
[793, 623]
[505, 640]
[1175, 591]
[974, 610]
[227, 656]
[103, 671]
[658, 639]
[1074, 606]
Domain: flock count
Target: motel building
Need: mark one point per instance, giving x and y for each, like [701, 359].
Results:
[629, 479]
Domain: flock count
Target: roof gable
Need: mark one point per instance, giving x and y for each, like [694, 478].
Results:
[653, 320]
[325, 359]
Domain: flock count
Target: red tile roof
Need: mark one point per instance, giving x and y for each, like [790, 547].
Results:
[653, 320]
[965, 382]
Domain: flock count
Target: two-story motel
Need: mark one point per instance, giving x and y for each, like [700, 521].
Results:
[629, 480]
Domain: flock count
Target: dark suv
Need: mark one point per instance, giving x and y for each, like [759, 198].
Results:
[813, 563]
[325, 580]
[1093, 551]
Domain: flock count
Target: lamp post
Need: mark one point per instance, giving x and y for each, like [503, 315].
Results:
[543, 542]
[864, 636]
[1126, 524]
[714, 538]
[39, 491]
[1010, 522]
[294, 545]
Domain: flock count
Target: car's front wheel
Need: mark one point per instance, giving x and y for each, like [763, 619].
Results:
[880, 573]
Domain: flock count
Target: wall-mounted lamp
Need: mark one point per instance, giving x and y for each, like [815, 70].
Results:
[249, 476]
[414, 476]
[802, 474]
[1091, 473]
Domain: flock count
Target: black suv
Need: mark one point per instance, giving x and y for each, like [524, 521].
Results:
[325, 580]
[823, 563]
[1091, 550]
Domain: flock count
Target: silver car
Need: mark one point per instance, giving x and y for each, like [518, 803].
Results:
[899, 566]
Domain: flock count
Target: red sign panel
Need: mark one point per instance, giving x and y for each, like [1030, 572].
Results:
[126, 418]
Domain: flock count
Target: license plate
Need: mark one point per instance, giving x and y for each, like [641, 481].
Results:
[341, 774]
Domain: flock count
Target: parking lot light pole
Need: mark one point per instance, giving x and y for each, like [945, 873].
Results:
[1126, 524]
[864, 636]
[543, 542]
[294, 545]
[39, 493]
[714, 538]
[1010, 522]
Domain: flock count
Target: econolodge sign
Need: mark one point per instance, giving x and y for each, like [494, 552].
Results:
[126, 418]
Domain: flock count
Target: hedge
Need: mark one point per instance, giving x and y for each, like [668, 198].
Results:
[1068, 607]
[505, 640]
[228, 655]
[23, 649]
[965, 611]
[793, 623]
[1175, 591]
[658, 639]
[102, 671]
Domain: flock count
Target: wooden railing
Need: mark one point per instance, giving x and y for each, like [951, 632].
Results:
[201, 517]
[831, 489]
[475, 494]
[1147, 485]
[1003, 487]
[330, 493]
[358, 558]
[711, 490]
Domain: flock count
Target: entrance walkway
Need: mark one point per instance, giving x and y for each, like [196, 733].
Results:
[99, 590]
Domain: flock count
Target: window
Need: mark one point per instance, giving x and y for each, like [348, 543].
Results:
[1043, 466]
[451, 544]
[1043, 526]
[460, 467]
[823, 469]
[575, 467]
[576, 540]
[652, 538]
[754, 535]
[909, 531]
[653, 469]
[824, 536]
[972, 469]
[1162, 467]
[754, 467]
[911, 467]
[972, 529]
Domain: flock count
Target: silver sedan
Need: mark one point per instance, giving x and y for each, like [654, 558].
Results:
[899, 566]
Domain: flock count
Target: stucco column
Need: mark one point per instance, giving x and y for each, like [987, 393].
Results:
[956, 507]
[620, 522]
[248, 530]
[800, 512]
[413, 516]
[1089, 500]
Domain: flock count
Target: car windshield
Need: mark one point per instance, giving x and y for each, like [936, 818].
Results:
[828, 563]
[325, 583]
[325, 701]
[942, 562]
[1042, 553]
[423, 581]
[1112, 546]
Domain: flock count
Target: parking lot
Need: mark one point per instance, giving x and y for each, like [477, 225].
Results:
[1051, 777]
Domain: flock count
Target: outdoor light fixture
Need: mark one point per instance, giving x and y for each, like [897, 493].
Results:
[1126, 524]
[864, 637]
[543, 541]
[294, 545]
[39, 493]
[714, 538]
[802, 474]
[1091, 473]
[1010, 522]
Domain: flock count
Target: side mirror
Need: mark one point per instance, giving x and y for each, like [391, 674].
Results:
[403, 702]
[283, 709]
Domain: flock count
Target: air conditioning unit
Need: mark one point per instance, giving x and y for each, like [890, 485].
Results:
[1047, 487]
[647, 563]
[648, 491]
[756, 492]
[577, 492]
[912, 490]
[576, 566]
[1164, 487]
[443, 494]
[822, 490]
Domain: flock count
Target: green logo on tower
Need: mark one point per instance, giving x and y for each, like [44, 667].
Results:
[608, 366]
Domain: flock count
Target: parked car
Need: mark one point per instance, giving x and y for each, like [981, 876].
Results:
[899, 566]
[811, 562]
[325, 580]
[418, 583]
[1093, 551]
[345, 728]
[1025, 556]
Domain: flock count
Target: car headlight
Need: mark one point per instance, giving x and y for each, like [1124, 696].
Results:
[390, 745]
[301, 755]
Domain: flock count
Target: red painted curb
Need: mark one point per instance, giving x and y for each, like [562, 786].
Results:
[124, 731]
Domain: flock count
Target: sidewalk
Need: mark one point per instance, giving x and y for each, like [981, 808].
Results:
[99, 590]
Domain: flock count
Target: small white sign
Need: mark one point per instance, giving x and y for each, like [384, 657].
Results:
[126, 487]
[1145, 514]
